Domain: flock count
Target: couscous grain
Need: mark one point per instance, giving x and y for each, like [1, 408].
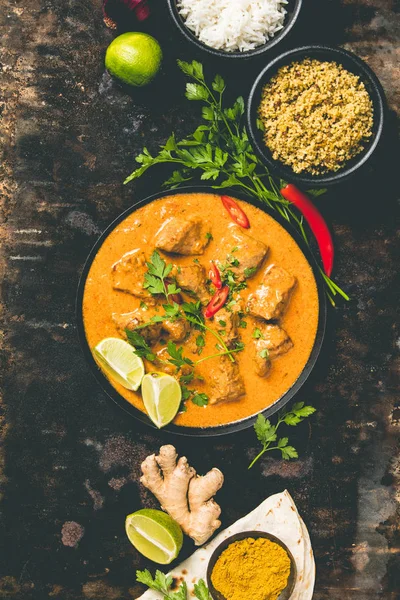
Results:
[316, 116]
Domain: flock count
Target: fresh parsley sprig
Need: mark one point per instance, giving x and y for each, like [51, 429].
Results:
[267, 433]
[219, 150]
[155, 280]
[163, 583]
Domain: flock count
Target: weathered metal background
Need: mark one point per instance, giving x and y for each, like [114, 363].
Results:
[69, 460]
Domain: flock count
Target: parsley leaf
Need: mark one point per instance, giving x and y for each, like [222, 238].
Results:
[200, 399]
[265, 432]
[201, 591]
[200, 343]
[176, 355]
[249, 272]
[193, 312]
[141, 347]
[264, 353]
[155, 280]
[257, 333]
[160, 582]
[187, 378]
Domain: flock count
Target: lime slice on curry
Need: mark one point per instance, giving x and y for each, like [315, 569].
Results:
[116, 357]
[162, 396]
[154, 534]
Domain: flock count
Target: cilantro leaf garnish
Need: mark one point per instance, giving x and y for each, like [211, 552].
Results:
[187, 378]
[200, 399]
[266, 432]
[201, 591]
[176, 355]
[249, 272]
[155, 280]
[200, 343]
[141, 347]
[257, 333]
[163, 584]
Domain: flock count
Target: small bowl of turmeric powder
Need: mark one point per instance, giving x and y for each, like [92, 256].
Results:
[251, 564]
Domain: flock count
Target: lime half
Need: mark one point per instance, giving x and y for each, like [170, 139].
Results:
[162, 396]
[117, 359]
[154, 534]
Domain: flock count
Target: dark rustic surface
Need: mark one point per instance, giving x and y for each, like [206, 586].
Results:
[69, 460]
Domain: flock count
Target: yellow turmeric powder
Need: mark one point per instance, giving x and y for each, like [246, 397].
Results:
[251, 569]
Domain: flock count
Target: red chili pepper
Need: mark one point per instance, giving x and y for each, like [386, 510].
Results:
[217, 302]
[236, 213]
[316, 223]
[215, 276]
[117, 11]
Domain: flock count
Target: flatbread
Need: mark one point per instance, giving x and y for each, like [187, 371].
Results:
[277, 515]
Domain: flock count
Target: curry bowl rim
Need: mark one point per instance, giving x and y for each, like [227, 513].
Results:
[242, 535]
[216, 430]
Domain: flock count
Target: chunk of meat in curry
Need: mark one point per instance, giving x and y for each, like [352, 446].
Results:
[225, 381]
[271, 298]
[227, 322]
[128, 275]
[135, 319]
[192, 278]
[183, 235]
[240, 253]
[176, 329]
[272, 343]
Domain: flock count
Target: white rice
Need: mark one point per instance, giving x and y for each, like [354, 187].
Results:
[233, 25]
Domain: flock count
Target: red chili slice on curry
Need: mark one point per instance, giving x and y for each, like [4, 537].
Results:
[215, 276]
[237, 215]
[217, 302]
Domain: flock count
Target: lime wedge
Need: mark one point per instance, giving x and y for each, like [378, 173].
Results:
[117, 359]
[154, 534]
[162, 396]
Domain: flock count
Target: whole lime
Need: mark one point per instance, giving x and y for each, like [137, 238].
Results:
[134, 58]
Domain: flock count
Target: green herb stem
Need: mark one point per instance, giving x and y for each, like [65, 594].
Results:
[216, 355]
[220, 340]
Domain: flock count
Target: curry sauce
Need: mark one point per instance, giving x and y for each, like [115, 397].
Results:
[300, 319]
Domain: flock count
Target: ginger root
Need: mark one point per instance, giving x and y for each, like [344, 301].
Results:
[184, 495]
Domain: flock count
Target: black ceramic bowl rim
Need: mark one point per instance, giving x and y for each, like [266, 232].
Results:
[287, 28]
[242, 535]
[235, 425]
[350, 62]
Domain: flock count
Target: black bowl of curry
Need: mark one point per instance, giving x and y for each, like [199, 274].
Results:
[252, 564]
[254, 353]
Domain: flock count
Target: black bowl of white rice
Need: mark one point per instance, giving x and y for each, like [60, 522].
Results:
[235, 28]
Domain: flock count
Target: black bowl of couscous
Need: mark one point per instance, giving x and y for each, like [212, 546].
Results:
[315, 115]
